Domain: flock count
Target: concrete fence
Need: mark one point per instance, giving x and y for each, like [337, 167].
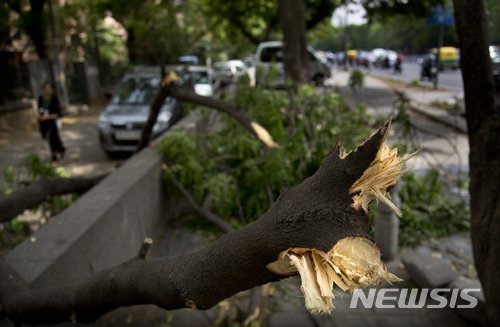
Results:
[103, 228]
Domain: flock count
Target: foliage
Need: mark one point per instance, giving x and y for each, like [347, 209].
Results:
[267, 77]
[241, 172]
[5, 24]
[381, 10]
[23, 18]
[356, 80]
[406, 32]
[427, 212]
[9, 177]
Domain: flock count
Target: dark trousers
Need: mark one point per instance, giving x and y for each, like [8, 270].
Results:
[55, 143]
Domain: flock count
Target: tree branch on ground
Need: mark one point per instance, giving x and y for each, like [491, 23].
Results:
[202, 211]
[318, 229]
[39, 190]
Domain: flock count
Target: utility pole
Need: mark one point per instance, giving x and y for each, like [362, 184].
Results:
[58, 69]
[346, 32]
[438, 55]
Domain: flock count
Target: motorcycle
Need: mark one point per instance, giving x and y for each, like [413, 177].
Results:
[429, 69]
[397, 66]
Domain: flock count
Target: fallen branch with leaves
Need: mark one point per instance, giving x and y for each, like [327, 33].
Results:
[319, 229]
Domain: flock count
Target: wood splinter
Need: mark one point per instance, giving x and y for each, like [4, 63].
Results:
[353, 261]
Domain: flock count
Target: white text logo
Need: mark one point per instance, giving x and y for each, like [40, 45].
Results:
[404, 298]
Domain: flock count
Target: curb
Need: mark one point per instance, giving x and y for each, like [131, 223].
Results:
[449, 123]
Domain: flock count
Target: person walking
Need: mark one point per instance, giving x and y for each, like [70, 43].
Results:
[49, 113]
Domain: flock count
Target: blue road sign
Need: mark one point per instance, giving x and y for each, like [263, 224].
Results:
[440, 16]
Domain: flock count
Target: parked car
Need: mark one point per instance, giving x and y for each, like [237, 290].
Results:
[229, 71]
[249, 61]
[120, 124]
[204, 80]
[271, 53]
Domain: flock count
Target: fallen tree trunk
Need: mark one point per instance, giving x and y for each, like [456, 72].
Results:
[38, 190]
[324, 217]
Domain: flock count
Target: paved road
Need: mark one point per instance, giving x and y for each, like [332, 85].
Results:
[447, 79]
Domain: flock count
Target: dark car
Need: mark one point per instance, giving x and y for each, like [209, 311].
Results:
[120, 124]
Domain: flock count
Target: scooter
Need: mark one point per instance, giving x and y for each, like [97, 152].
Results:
[429, 69]
[397, 66]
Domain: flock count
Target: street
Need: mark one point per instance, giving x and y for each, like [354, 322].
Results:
[444, 148]
[448, 79]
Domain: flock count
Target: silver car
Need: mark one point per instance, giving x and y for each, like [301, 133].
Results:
[120, 124]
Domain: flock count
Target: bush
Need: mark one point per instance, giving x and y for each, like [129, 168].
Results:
[241, 172]
[356, 80]
[427, 212]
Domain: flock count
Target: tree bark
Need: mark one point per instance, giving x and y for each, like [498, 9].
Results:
[293, 25]
[37, 191]
[314, 215]
[483, 124]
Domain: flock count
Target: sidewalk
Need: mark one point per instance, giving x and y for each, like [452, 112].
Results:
[84, 157]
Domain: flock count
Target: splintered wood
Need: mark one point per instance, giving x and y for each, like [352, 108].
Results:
[353, 262]
[379, 178]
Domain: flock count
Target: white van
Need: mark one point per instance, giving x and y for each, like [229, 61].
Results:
[269, 53]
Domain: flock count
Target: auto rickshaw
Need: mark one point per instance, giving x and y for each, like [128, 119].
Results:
[448, 57]
[352, 55]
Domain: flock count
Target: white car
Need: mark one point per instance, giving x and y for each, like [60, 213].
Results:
[204, 80]
[229, 71]
[271, 53]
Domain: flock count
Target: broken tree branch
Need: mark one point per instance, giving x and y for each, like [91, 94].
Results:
[315, 222]
[238, 112]
[214, 219]
[39, 190]
[143, 251]
[234, 110]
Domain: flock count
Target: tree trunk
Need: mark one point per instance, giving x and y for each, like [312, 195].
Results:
[293, 25]
[325, 210]
[483, 124]
[35, 27]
